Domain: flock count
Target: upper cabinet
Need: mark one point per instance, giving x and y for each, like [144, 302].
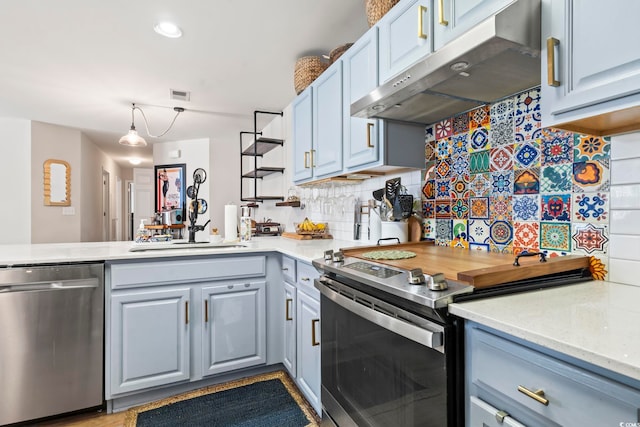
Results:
[326, 154]
[406, 34]
[302, 112]
[590, 69]
[451, 18]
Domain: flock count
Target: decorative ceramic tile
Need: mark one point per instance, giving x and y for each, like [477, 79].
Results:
[429, 189]
[443, 168]
[501, 133]
[556, 207]
[443, 209]
[460, 165]
[442, 189]
[590, 207]
[526, 235]
[555, 236]
[443, 129]
[479, 247]
[460, 208]
[556, 147]
[553, 254]
[599, 267]
[527, 118]
[444, 229]
[479, 232]
[589, 147]
[501, 249]
[501, 232]
[429, 209]
[590, 238]
[461, 123]
[501, 183]
[459, 187]
[443, 148]
[479, 162]
[527, 155]
[501, 158]
[501, 112]
[556, 178]
[526, 208]
[526, 181]
[429, 151]
[430, 173]
[429, 134]
[500, 208]
[478, 140]
[442, 242]
[480, 185]
[460, 144]
[429, 228]
[460, 235]
[479, 118]
[479, 208]
[591, 176]
[459, 242]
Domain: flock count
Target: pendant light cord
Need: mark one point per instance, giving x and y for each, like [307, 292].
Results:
[146, 123]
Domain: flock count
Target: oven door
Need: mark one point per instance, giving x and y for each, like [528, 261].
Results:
[381, 365]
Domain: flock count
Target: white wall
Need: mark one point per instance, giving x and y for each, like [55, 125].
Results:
[624, 258]
[15, 175]
[224, 176]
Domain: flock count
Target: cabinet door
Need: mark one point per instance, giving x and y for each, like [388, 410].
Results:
[360, 63]
[302, 135]
[593, 61]
[150, 339]
[290, 301]
[308, 335]
[451, 18]
[234, 332]
[405, 36]
[326, 157]
[483, 414]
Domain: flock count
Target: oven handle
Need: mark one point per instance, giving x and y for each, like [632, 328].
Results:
[420, 335]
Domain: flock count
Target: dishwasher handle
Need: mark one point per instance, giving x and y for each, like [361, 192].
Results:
[50, 285]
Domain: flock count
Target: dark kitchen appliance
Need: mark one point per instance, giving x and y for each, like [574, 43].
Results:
[267, 229]
[390, 352]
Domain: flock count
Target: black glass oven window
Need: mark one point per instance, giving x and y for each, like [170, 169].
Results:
[380, 378]
[374, 270]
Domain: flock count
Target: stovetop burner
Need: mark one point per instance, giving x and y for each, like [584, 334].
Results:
[373, 269]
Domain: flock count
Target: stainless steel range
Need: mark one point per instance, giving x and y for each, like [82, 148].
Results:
[390, 353]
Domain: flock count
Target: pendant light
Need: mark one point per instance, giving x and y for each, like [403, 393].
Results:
[132, 139]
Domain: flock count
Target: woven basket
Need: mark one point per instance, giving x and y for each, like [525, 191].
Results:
[308, 68]
[377, 8]
[337, 52]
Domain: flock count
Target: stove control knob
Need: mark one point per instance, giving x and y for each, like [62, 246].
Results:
[416, 277]
[437, 282]
[338, 257]
[328, 255]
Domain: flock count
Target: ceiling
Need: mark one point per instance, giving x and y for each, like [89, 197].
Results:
[81, 63]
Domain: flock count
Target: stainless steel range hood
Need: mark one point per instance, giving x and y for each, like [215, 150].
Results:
[496, 58]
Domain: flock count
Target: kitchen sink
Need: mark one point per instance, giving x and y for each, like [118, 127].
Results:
[183, 244]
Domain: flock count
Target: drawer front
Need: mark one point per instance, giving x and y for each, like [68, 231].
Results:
[137, 274]
[575, 396]
[289, 269]
[307, 273]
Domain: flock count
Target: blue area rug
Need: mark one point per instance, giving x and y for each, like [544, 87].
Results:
[268, 400]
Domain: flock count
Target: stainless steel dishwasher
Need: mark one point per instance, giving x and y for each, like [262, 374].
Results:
[51, 340]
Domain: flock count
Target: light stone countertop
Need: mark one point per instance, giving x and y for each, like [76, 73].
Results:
[594, 321]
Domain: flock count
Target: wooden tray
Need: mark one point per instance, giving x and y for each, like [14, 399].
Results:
[297, 236]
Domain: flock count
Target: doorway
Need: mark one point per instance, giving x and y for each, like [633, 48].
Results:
[105, 206]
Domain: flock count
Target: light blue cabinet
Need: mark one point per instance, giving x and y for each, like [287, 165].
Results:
[485, 415]
[234, 333]
[590, 65]
[451, 18]
[151, 346]
[406, 35]
[326, 154]
[302, 132]
[290, 304]
[538, 388]
[308, 337]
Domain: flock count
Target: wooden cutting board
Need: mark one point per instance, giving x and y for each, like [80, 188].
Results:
[478, 268]
[297, 236]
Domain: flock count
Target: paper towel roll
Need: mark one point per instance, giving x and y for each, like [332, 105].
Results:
[230, 223]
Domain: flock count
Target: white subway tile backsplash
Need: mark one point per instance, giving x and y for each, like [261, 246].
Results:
[625, 171]
[624, 271]
[625, 222]
[625, 196]
[625, 146]
[624, 247]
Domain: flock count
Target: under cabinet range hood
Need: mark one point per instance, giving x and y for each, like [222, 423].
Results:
[496, 58]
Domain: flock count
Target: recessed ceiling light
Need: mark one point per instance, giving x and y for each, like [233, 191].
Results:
[135, 161]
[168, 29]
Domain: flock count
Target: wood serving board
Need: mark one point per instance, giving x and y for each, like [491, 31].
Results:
[478, 268]
[297, 236]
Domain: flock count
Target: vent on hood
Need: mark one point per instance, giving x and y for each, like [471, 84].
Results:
[496, 58]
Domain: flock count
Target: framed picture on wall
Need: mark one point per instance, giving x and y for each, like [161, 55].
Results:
[170, 187]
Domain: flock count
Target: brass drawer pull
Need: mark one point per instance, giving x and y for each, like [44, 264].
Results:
[206, 311]
[551, 61]
[369, 129]
[186, 312]
[537, 395]
[421, 11]
[441, 19]
[306, 160]
[314, 341]
[305, 279]
[287, 315]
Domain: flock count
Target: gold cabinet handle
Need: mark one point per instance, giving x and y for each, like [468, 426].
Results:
[313, 159]
[441, 19]
[186, 312]
[206, 311]
[314, 342]
[305, 279]
[421, 11]
[285, 269]
[287, 315]
[537, 395]
[551, 61]
[369, 129]
[306, 160]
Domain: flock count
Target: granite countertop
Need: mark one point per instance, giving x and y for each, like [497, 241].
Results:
[47, 253]
[594, 321]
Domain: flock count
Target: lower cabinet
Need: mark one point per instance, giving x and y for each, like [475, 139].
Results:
[485, 415]
[290, 304]
[538, 388]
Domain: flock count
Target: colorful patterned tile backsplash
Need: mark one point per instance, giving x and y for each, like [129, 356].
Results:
[498, 181]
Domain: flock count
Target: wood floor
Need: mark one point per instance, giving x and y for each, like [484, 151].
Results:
[86, 420]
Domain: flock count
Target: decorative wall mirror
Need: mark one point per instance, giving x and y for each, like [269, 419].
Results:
[57, 183]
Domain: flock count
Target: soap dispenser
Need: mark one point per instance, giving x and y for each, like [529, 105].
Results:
[142, 234]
